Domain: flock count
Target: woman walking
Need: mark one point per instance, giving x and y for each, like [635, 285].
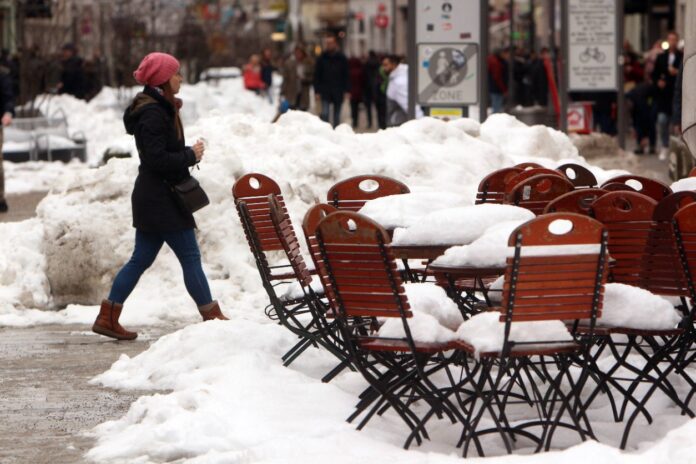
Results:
[153, 118]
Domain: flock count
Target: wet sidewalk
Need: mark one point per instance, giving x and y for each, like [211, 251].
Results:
[46, 402]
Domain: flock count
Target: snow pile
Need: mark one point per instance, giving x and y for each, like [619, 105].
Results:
[687, 183]
[457, 226]
[406, 210]
[485, 333]
[34, 176]
[636, 308]
[489, 250]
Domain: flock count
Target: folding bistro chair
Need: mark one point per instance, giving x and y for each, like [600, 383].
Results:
[526, 174]
[578, 201]
[629, 218]
[536, 192]
[292, 309]
[649, 187]
[351, 194]
[492, 188]
[557, 273]
[362, 284]
[580, 176]
[320, 331]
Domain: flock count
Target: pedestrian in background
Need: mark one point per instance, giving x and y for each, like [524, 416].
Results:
[357, 88]
[331, 81]
[251, 74]
[153, 119]
[397, 91]
[72, 76]
[372, 82]
[381, 103]
[267, 69]
[664, 78]
[497, 78]
[7, 100]
[298, 75]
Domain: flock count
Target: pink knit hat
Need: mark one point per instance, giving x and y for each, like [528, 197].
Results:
[156, 69]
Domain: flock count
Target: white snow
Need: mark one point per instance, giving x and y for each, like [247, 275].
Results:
[229, 399]
[636, 308]
[687, 183]
[485, 333]
[458, 226]
[406, 210]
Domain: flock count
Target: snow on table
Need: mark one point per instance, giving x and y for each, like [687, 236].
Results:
[458, 226]
[407, 209]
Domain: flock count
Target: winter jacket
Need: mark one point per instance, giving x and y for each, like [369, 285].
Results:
[357, 79]
[73, 77]
[7, 98]
[397, 97]
[164, 161]
[252, 78]
[331, 76]
[664, 96]
[497, 75]
[295, 88]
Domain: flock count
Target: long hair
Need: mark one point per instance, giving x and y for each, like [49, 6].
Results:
[176, 103]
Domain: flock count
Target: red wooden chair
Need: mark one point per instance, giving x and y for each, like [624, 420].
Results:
[536, 192]
[362, 283]
[577, 201]
[528, 165]
[692, 173]
[617, 187]
[649, 187]
[562, 282]
[580, 176]
[351, 194]
[492, 188]
[629, 217]
[528, 173]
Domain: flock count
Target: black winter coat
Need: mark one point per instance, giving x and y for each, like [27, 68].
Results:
[164, 161]
[664, 97]
[331, 76]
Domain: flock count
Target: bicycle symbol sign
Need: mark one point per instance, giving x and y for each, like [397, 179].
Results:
[593, 53]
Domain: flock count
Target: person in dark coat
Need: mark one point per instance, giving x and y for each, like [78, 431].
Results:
[497, 78]
[267, 69]
[153, 118]
[7, 101]
[357, 88]
[372, 81]
[331, 81]
[664, 77]
[72, 76]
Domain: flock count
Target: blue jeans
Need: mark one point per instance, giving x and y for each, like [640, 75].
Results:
[497, 101]
[663, 128]
[147, 246]
[326, 109]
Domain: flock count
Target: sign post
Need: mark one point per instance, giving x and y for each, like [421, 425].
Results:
[592, 50]
[446, 56]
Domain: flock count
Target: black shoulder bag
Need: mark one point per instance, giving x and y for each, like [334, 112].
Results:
[190, 195]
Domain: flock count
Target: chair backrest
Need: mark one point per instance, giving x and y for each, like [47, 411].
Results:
[557, 271]
[309, 226]
[252, 191]
[617, 187]
[492, 188]
[351, 194]
[692, 173]
[528, 165]
[649, 187]
[577, 201]
[288, 239]
[629, 218]
[684, 224]
[359, 267]
[580, 176]
[661, 271]
[529, 173]
[538, 191]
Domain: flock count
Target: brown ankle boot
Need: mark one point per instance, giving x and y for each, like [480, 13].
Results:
[107, 322]
[212, 311]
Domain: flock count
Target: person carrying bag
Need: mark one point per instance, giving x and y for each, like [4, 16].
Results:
[160, 214]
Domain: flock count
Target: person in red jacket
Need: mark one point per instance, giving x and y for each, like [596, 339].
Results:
[252, 75]
[497, 78]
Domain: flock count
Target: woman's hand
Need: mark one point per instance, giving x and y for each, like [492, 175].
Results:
[198, 149]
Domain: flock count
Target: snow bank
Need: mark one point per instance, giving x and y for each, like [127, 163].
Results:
[687, 183]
